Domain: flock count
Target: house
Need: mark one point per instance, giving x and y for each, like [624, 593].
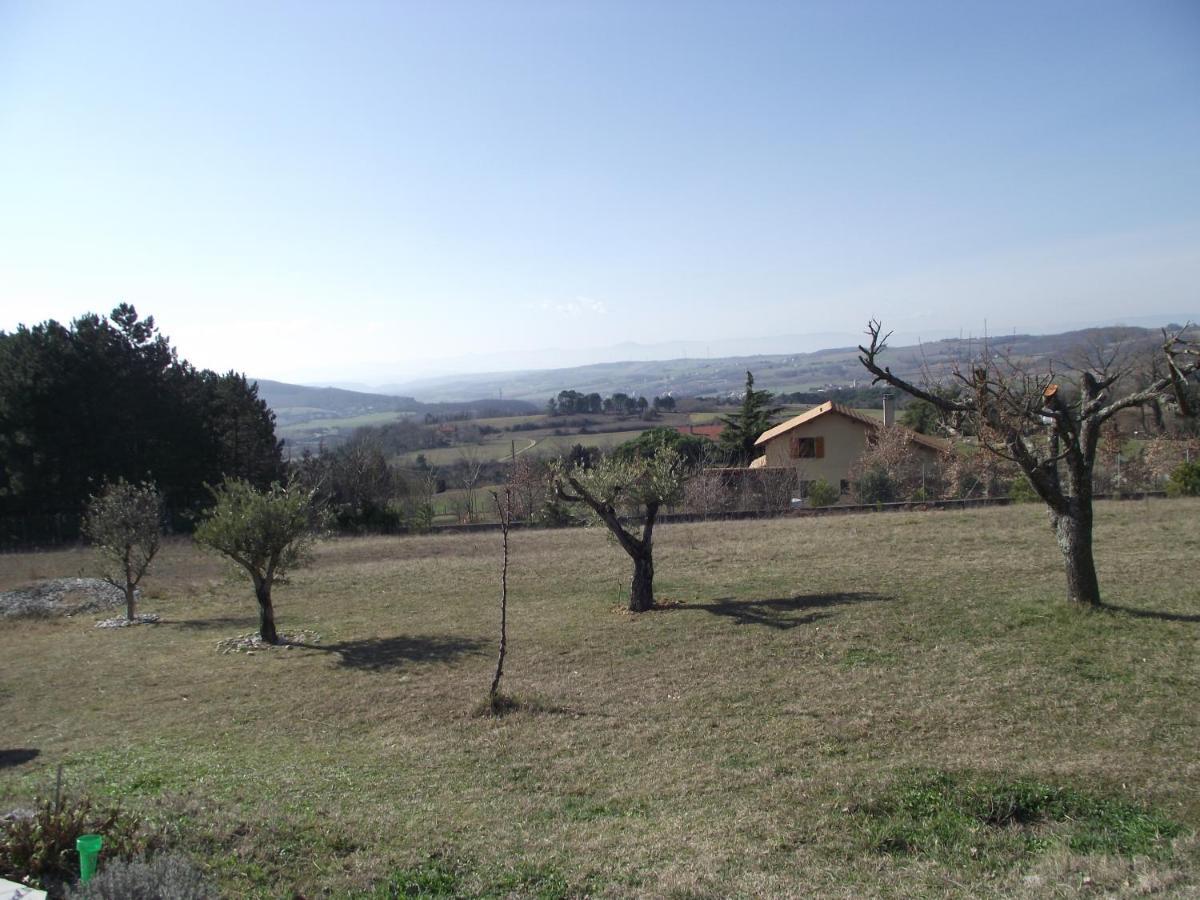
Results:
[826, 441]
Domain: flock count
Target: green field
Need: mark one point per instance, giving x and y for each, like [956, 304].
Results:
[311, 430]
[810, 714]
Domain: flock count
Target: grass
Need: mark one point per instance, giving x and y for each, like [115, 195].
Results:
[815, 686]
[991, 822]
[326, 423]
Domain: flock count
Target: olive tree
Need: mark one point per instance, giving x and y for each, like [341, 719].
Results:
[622, 493]
[1049, 424]
[124, 524]
[268, 533]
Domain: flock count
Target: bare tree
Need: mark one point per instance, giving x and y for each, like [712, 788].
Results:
[1049, 429]
[705, 493]
[1163, 454]
[890, 465]
[707, 490]
[977, 473]
[641, 486]
[419, 507]
[504, 509]
[472, 464]
[124, 523]
[527, 479]
[776, 487]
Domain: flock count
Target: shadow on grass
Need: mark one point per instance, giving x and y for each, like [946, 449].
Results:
[383, 654]
[1149, 613]
[785, 612]
[250, 621]
[17, 757]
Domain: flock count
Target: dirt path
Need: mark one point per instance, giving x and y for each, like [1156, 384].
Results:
[532, 443]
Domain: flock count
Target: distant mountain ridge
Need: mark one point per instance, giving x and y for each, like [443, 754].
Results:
[514, 393]
[775, 372]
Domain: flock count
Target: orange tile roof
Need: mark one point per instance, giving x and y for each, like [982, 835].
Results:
[711, 430]
[831, 407]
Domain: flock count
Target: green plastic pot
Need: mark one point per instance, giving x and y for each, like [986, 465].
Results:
[88, 846]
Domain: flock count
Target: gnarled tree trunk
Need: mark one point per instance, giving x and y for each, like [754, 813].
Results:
[130, 585]
[1073, 531]
[266, 612]
[641, 593]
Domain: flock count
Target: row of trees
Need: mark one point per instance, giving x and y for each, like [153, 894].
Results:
[267, 533]
[1052, 431]
[104, 399]
[569, 403]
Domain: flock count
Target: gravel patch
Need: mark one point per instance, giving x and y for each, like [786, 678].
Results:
[122, 622]
[61, 597]
[250, 643]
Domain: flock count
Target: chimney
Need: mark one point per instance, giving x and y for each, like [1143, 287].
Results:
[889, 409]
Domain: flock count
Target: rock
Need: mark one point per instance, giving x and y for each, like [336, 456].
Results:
[122, 622]
[61, 597]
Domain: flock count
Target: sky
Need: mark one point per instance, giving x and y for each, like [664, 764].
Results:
[362, 191]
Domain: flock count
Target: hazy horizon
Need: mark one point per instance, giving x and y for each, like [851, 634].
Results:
[628, 352]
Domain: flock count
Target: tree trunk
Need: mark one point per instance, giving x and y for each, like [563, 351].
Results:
[129, 583]
[641, 594]
[266, 613]
[1073, 531]
[505, 518]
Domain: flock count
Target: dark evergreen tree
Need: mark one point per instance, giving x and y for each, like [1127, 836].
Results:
[743, 427]
[108, 398]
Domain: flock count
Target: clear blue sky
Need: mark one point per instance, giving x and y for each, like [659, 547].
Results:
[322, 190]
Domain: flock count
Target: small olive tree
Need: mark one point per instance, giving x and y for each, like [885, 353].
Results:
[268, 533]
[124, 524]
[638, 487]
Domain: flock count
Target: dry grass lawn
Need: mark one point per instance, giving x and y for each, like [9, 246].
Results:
[727, 745]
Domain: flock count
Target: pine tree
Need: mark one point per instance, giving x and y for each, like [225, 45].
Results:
[743, 428]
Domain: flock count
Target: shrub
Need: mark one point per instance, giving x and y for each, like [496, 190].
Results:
[1185, 480]
[169, 877]
[39, 849]
[1022, 491]
[420, 520]
[875, 486]
[822, 493]
[554, 513]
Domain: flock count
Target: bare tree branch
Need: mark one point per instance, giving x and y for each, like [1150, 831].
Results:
[1050, 426]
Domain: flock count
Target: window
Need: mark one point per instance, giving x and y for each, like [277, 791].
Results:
[807, 448]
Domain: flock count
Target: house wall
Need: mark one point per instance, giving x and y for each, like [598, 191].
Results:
[845, 441]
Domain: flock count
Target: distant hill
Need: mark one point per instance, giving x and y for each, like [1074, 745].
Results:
[775, 372]
[298, 403]
[309, 417]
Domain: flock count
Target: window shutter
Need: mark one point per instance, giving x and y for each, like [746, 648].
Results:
[794, 447]
[819, 447]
